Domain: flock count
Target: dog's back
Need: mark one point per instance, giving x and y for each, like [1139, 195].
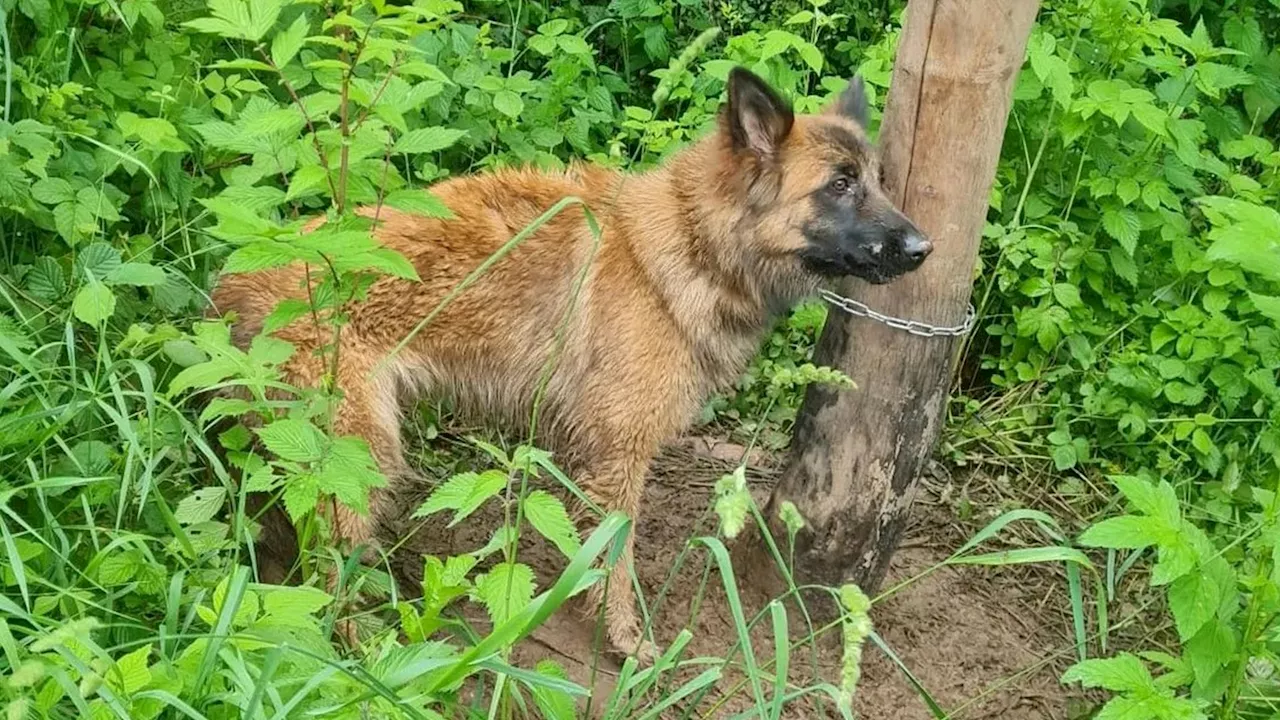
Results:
[486, 349]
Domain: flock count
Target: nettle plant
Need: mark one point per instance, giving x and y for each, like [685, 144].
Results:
[1129, 284]
[1116, 305]
[337, 131]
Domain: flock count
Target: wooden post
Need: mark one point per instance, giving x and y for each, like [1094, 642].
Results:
[856, 455]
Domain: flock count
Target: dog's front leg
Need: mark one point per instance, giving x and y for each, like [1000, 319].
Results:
[617, 485]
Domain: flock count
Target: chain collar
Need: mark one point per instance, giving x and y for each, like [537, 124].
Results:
[914, 327]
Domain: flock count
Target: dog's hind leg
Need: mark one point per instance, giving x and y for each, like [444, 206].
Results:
[368, 409]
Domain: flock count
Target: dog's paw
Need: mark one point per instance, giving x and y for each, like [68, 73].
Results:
[348, 632]
[633, 644]
[646, 653]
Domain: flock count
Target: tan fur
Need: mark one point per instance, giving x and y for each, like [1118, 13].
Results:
[696, 259]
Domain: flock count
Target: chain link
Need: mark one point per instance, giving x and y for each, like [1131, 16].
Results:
[915, 327]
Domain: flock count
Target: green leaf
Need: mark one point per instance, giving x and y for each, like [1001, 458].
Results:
[243, 19]
[306, 181]
[574, 45]
[1122, 262]
[183, 353]
[130, 673]
[553, 704]
[138, 274]
[1183, 393]
[1067, 295]
[45, 280]
[1051, 70]
[776, 42]
[508, 103]
[554, 27]
[431, 139]
[242, 64]
[547, 515]
[811, 55]
[119, 568]
[1244, 234]
[98, 259]
[52, 191]
[1193, 600]
[1162, 335]
[1064, 457]
[293, 439]
[390, 262]
[201, 505]
[1125, 532]
[1127, 190]
[94, 303]
[464, 493]
[286, 44]
[301, 493]
[1177, 557]
[284, 122]
[1123, 225]
[542, 44]
[202, 375]
[546, 137]
[418, 202]
[284, 314]
[1244, 34]
[294, 602]
[401, 665]
[260, 256]
[1212, 78]
[1268, 305]
[1123, 673]
[505, 590]
[1159, 500]
[1211, 650]
[349, 472]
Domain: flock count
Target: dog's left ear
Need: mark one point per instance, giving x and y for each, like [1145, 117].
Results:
[759, 120]
[852, 102]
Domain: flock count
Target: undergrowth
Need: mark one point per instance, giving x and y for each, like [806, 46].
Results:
[1128, 293]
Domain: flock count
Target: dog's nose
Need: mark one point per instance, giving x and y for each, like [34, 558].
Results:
[916, 247]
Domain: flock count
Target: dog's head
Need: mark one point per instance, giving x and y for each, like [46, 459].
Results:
[812, 185]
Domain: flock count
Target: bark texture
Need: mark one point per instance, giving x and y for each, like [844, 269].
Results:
[857, 454]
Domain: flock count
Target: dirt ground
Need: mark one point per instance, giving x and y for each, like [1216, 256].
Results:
[986, 643]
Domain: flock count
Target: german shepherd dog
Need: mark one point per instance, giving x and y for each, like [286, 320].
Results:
[696, 259]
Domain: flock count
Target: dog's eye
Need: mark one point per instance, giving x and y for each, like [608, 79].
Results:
[841, 184]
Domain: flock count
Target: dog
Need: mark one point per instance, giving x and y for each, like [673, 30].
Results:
[695, 261]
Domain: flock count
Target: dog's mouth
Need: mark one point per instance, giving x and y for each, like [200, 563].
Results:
[832, 267]
[878, 275]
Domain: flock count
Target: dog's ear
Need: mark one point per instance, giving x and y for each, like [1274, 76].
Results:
[759, 120]
[852, 102]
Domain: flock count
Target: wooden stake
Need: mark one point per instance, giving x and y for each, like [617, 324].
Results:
[857, 454]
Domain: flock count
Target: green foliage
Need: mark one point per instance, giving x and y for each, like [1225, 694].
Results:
[1138, 694]
[1129, 291]
[1127, 284]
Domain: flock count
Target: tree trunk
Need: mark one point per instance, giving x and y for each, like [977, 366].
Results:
[857, 454]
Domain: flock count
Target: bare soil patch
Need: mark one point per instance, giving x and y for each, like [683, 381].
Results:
[987, 643]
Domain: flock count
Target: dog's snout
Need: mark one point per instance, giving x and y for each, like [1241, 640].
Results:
[916, 246]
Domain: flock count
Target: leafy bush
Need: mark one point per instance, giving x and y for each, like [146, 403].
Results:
[1128, 289]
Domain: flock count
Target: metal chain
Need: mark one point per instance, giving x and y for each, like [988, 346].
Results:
[915, 327]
